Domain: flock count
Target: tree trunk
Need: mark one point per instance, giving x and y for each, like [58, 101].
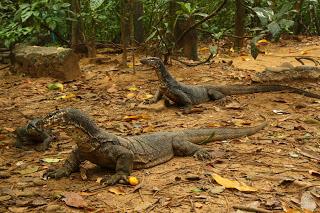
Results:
[77, 36]
[125, 29]
[298, 25]
[138, 23]
[189, 44]
[239, 25]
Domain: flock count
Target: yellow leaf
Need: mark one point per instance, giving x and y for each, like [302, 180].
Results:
[263, 42]
[133, 88]
[203, 49]
[117, 190]
[232, 50]
[245, 58]
[304, 52]
[147, 96]
[68, 96]
[130, 95]
[135, 117]
[232, 184]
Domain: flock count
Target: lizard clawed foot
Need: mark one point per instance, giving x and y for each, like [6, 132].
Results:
[58, 173]
[114, 179]
[224, 101]
[149, 101]
[202, 155]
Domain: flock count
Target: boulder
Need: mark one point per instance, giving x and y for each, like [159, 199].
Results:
[56, 62]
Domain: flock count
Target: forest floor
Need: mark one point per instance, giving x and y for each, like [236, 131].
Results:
[281, 162]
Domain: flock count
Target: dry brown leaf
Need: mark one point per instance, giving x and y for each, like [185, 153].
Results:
[112, 89]
[30, 169]
[8, 129]
[117, 190]
[18, 209]
[308, 202]
[233, 105]
[232, 184]
[160, 105]
[74, 199]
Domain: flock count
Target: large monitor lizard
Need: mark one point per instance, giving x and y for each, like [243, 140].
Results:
[187, 95]
[123, 154]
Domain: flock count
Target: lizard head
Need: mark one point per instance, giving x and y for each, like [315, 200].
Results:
[152, 61]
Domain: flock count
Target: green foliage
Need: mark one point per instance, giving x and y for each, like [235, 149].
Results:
[275, 23]
[27, 20]
[101, 19]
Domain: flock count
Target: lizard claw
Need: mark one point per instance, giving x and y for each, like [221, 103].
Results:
[224, 101]
[116, 178]
[149, 101]
[58, 173]
[202, 155]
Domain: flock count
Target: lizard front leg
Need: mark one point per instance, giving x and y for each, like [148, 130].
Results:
[157, 97]
[124, 165]
[186, 148]
[46, 143]
[72, 164]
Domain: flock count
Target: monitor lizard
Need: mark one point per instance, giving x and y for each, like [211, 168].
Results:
[187, 95]
[123, 154]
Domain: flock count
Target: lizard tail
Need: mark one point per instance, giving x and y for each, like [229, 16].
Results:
[244, 89]
[203, 136]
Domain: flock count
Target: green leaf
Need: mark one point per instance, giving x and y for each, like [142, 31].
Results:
[264, 14]
[94, 4]
[55, 86]
[65, 5]
[25, 16]
[201, 14]
[213, 49]
[274, 29]
[151, 36]
[286, 24]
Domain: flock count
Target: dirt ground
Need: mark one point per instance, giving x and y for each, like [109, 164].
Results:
[281, 162]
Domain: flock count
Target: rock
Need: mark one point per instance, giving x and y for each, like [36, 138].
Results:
[56, 62]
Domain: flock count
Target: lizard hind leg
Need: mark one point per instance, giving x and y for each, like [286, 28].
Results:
[186, 148]
[215, 94]
[219, 97]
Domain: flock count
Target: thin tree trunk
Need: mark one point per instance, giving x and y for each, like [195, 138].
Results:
[138, 23]
[239, 25]
[125, 33]
[189, 43]
[77, 36]
[298, 26]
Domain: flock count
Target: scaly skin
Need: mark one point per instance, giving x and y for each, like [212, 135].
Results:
[188, 95]
[123, 154]
[28, 134]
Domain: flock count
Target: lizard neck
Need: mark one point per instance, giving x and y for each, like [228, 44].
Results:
[73, 118]
[164, 76]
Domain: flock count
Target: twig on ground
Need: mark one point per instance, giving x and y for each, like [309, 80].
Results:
[251, 209]
[2, 68]
[192, 205]
[299, 59]
[196, 64]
